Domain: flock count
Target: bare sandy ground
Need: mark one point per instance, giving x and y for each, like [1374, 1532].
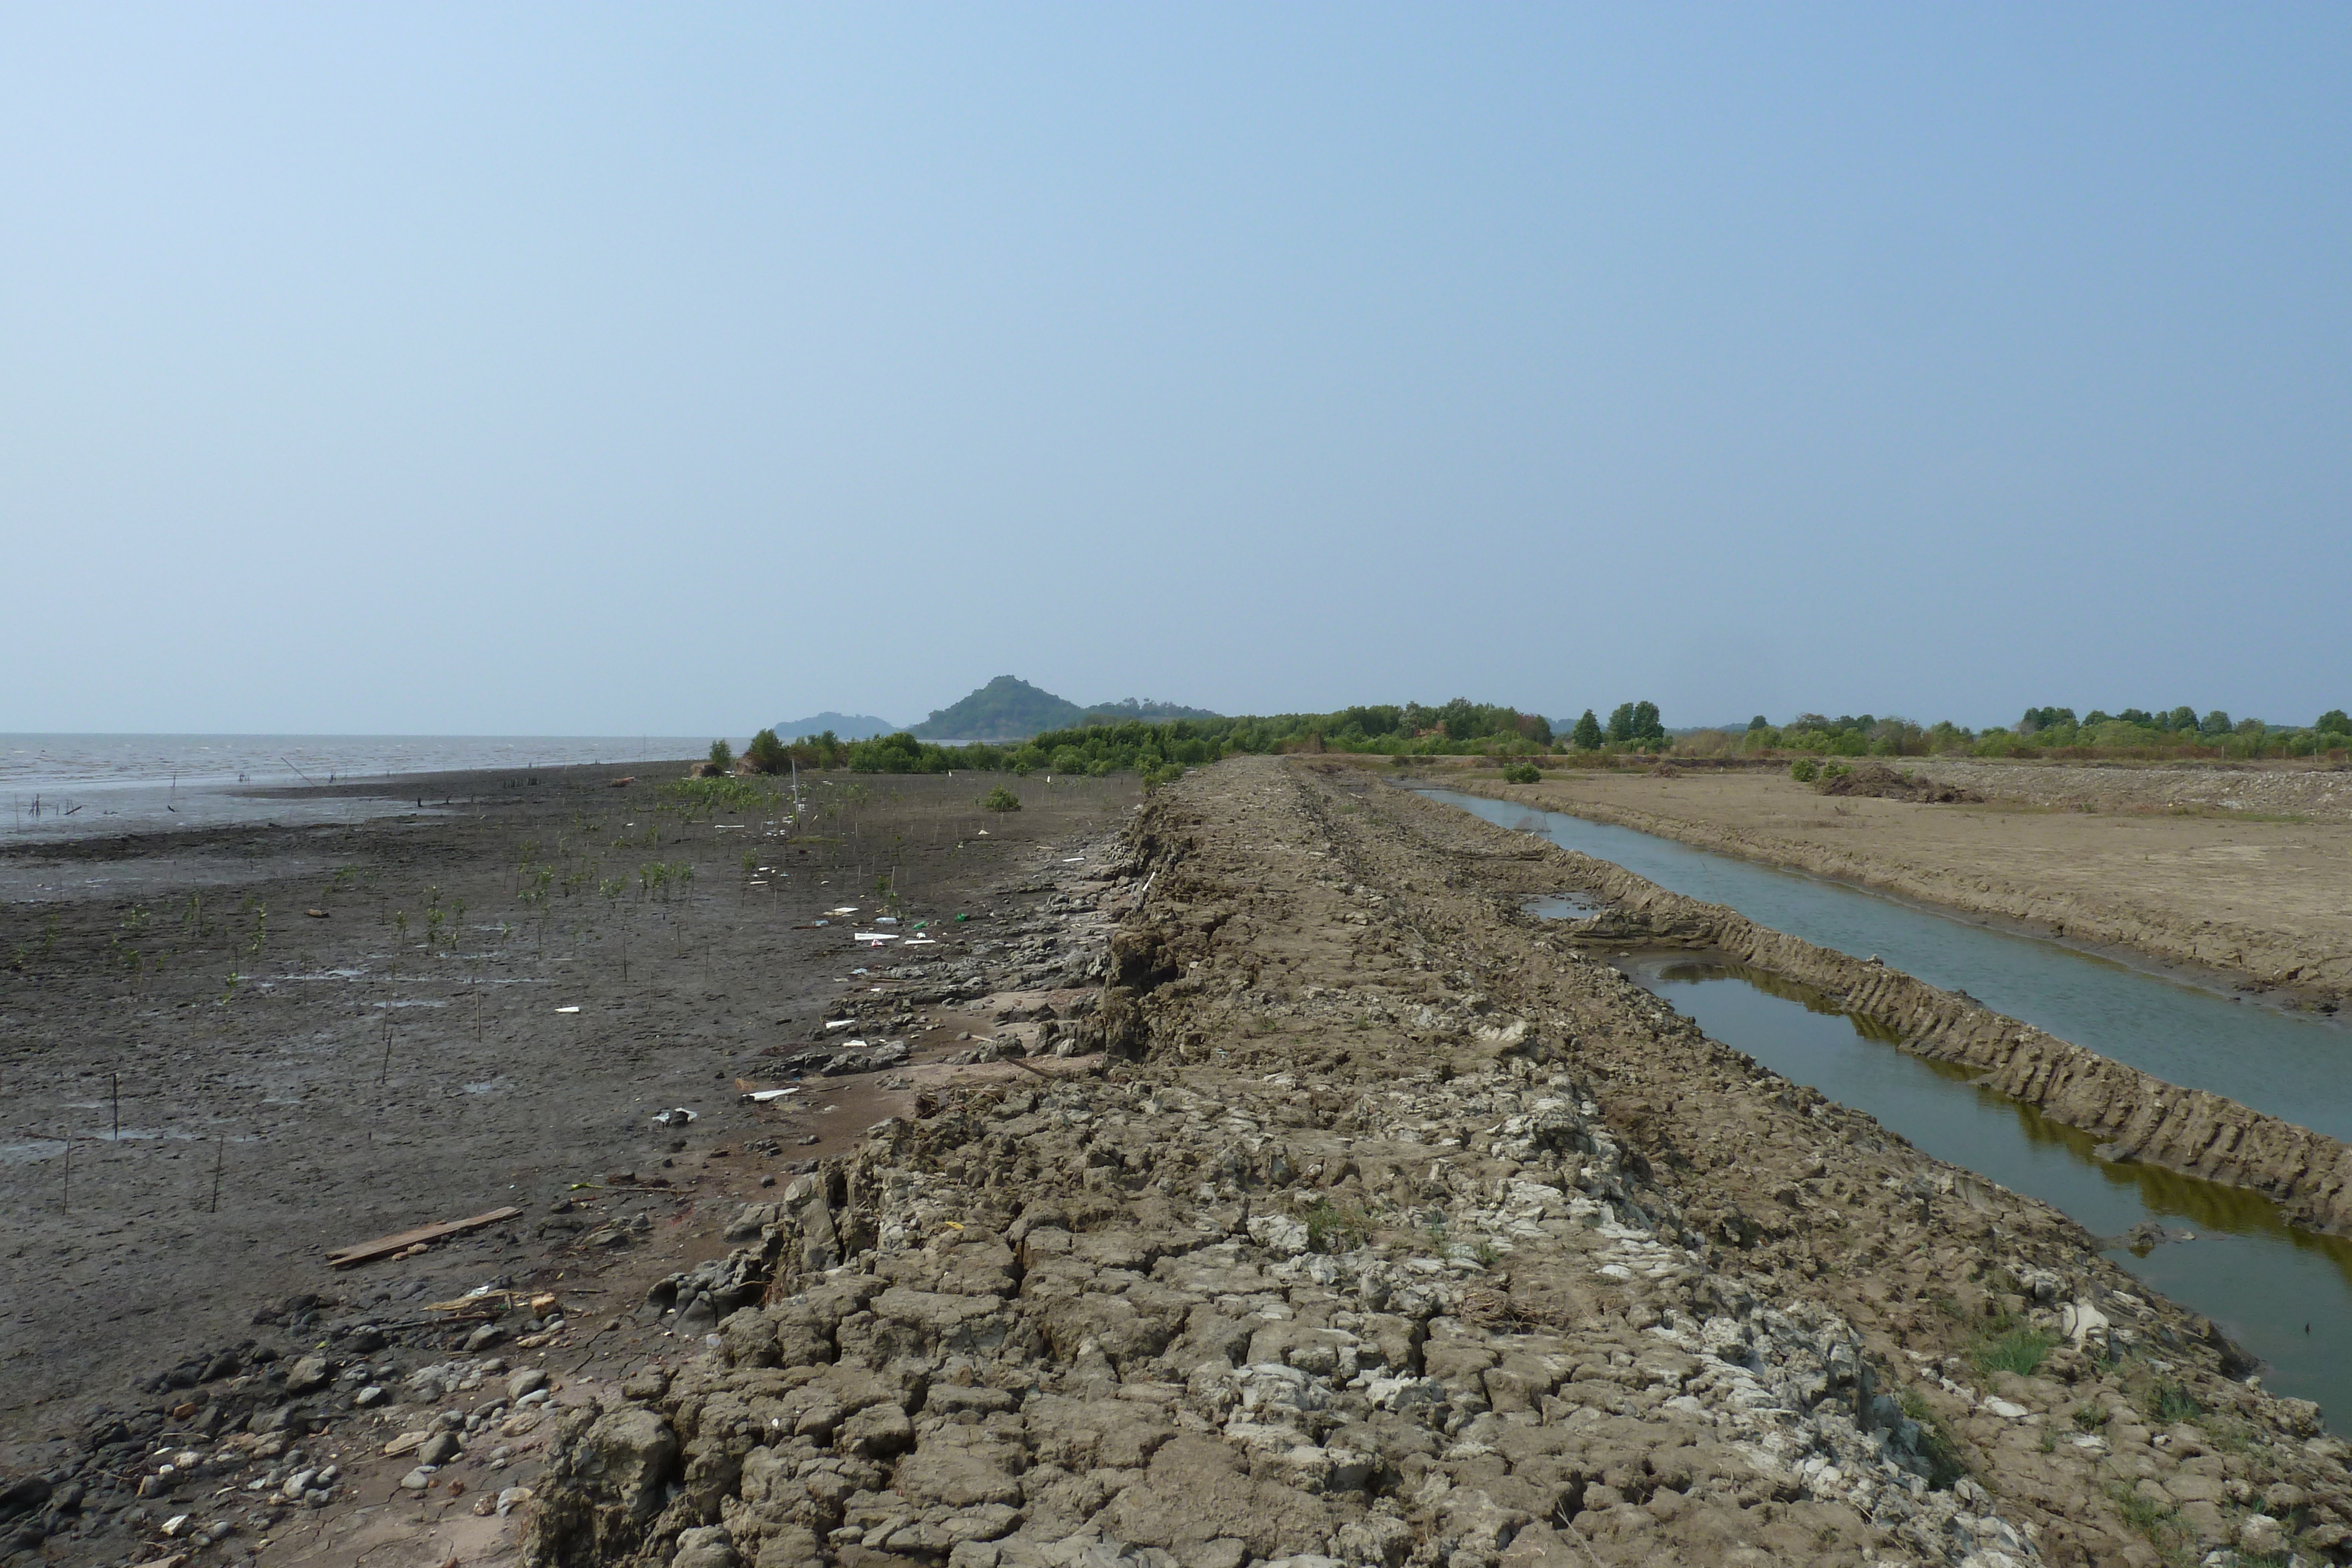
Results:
[2240, 873]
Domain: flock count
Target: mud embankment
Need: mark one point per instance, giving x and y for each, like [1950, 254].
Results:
[2308, 1175]
[1393, 1236]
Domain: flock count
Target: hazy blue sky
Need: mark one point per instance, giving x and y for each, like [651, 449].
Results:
[580, 369]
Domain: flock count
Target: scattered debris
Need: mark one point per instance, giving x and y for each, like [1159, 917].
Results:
[676, 1117]
[424, 1235]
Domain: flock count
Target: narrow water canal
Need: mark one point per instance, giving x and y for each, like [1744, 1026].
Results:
[2284, 1294]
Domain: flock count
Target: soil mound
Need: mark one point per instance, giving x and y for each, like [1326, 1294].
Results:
[1881, 782]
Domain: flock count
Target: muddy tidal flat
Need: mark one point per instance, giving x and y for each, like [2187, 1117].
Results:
[230, 1051]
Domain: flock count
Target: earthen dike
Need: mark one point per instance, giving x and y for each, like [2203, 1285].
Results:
[1394, 1230]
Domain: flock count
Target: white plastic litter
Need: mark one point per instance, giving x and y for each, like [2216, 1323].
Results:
[875, 936]
[677, 1116]
[567, 1009]
[763, 1096]
[839, 1023]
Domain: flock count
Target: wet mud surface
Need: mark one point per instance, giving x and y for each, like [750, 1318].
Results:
[264, 1044]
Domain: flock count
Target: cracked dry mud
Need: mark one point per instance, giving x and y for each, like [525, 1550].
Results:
[1394, 1231]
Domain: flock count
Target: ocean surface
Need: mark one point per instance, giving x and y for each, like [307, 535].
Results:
[74, 785]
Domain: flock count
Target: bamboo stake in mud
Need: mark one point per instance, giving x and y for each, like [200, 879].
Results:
[116, 1136]
[220, 1152]
[386, 1076]
[65, 1201]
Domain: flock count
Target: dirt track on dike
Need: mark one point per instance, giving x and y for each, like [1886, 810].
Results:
[2236, 874]
[1396, 1231]
[379, 1066]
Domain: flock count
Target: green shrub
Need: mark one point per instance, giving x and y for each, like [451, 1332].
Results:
[1804, 770]
[1525, 773]
[1001, 799]
[722, 758]
[767, 754]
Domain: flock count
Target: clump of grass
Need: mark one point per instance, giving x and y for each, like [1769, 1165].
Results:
[2014, 1348]
[1330, 1228]
[2166, 1403]
[2090, 1416]
[999, 799]
[2154, 1519]
[1935, 1444]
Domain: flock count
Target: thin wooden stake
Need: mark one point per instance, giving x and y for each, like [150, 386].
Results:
[66, 1202]
[386, 1076]
[116, 1136]
[220, 1152]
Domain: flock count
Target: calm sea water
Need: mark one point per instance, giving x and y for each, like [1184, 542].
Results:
[71, 786]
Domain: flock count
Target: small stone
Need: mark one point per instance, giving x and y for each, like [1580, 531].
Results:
[512, 1498]
[529, 1380]
[372, 1395]
[439, 1449]
[417, 1479]
[705, 1546]
[484, 1337]
[308, 1374]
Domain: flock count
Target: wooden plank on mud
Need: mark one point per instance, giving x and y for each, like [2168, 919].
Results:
[383, 1246]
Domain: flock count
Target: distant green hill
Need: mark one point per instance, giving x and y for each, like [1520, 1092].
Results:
[1147, 710]
[1007, 708]
[845, 725]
